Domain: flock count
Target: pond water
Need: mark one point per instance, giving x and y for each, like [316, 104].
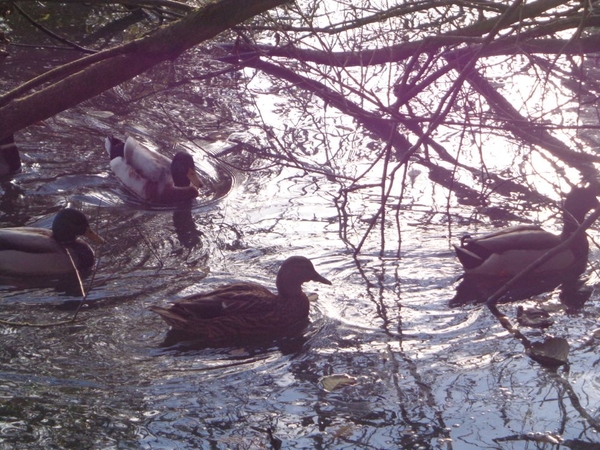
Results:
[428, 376]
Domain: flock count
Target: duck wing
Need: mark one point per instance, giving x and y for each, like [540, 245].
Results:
[239, 299]
[509, 251]
[28, 240]
[148, 164]
[524, 237]
[34, 252]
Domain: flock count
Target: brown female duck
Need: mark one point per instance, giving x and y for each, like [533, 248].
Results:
[507, 252]
[245, 310]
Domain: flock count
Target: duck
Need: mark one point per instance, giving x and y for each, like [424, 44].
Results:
[29, 251]
[245, 309]
[152, 176]
[10, 160]
[507, 252]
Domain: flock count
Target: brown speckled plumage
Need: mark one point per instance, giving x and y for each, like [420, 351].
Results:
[246, 309]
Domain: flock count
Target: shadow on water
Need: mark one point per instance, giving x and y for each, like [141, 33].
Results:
[291, 342]
[187, 231]
[177, 342]
[67, 285]
[473, 289]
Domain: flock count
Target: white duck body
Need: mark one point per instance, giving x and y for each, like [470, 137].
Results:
[150, 175]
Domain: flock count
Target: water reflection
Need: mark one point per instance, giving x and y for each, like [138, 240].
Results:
[177, 342]
[187, 232]
[474, 289]
[10, 160]
[68, 284]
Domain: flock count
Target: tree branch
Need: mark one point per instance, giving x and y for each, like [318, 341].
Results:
[127, 61]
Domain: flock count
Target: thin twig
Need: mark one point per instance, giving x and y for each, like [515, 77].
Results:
[83, 292]
[51, 33]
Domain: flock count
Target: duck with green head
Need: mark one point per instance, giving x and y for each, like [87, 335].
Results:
[507, 252]
[29, 251]
[246, 310]
[152, 176]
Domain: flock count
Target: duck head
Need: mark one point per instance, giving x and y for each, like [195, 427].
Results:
[577, 204]
[293, 272]
[69, 224]
[183, 171]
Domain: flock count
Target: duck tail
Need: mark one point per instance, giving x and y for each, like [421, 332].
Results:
[115, 147]
[469, 260]
[171, 318]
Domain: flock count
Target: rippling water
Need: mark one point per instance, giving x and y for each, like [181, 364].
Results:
[428, 376]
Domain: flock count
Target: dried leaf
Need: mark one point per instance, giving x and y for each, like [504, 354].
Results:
[336, 381]
[553, 352]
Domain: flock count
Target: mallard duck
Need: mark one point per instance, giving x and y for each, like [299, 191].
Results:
[10, 161]
[507, 252]
[26, 251]
[150, 175]
[246, 310]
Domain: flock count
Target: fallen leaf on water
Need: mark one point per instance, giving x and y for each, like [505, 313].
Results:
[336, 381]
[553, 352]
[312, 297]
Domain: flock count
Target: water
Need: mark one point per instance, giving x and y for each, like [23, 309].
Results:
[428, 376]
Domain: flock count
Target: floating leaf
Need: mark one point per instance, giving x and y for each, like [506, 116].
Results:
[553, 352]
[336, 381]
[313, 297]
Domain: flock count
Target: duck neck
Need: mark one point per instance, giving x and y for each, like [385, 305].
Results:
[570, 225]
[293, 297]
[180, 180]
[580, 245]
[287, 290]
[63, 237]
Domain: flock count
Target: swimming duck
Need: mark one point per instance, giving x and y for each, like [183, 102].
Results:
[246, 310]
[507, 252]
[10, 161]
[150, 175]
[26, 251]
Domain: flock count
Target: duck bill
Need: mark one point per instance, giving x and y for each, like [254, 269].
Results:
[194, 179]
[319, 279]
[93, 236]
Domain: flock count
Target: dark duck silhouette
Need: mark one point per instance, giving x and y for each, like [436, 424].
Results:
[507, 252]
[10, 161]
[152, 176]
[27, 251]
[246, 310]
